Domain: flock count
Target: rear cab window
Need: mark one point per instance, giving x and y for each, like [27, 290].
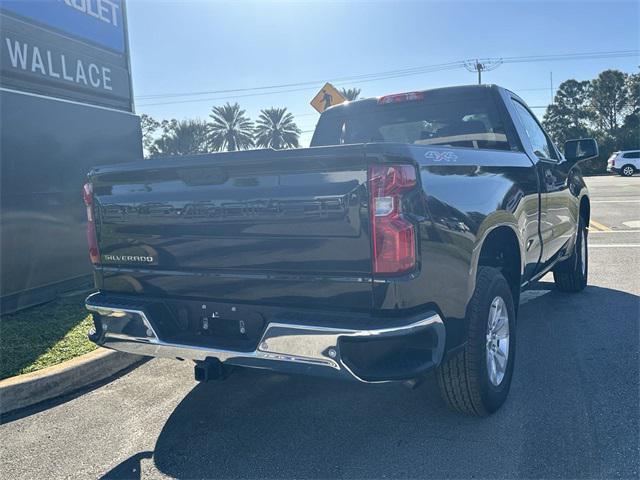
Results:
[468, 119]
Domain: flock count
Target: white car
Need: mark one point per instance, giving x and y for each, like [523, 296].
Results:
[625, 163]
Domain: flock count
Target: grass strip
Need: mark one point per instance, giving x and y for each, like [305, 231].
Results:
[43, 336]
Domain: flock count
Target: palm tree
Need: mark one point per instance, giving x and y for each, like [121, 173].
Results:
[350, 93]
[230, 129]
[184, 137]
[275, 128]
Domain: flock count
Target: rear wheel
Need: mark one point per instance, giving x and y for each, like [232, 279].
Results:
[477, 379]
[571, 274]
[627, 170]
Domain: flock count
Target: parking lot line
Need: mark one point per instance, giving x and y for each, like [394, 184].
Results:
[615, 245]
[598, 226]
[615, 201]
[615, 231]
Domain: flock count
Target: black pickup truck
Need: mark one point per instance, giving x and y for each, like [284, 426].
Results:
[396, 245]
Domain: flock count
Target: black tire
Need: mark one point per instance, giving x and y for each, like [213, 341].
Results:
[571, 275]
[464, 377]
[627, 170]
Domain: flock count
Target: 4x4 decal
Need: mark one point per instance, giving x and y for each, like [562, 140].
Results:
[441, 156]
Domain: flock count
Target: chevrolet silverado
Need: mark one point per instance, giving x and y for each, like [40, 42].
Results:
[396, 245]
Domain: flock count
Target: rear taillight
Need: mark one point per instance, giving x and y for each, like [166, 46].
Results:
[92, 239]
[394, 243]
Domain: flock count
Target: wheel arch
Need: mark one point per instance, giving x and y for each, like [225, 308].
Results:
[585, 209]
[501, 247]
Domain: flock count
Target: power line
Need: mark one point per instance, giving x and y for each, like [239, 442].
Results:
[531, 89]
[200, 100]
[258, 94]
[364, 80]
[571, 56]
[409, 71]
[311, 82]
[389, 74]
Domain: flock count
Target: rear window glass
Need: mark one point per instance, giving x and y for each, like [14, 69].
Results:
[453, 120]
[631, 155]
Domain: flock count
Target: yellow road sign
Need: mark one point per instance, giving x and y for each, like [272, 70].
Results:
[328, 96]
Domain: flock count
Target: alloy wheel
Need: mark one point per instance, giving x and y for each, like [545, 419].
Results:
[497, 345]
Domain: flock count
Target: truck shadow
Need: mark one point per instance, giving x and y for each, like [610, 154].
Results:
[573, 392]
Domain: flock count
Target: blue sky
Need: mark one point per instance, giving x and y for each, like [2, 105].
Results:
[187, 46]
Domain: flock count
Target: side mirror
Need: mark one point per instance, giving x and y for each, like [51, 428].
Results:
[580, 150]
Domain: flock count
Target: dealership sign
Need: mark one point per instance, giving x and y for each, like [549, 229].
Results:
[74, 49]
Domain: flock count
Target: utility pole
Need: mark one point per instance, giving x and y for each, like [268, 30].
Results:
[487, 64]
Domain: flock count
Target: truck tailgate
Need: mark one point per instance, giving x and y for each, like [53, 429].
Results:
[258, 226]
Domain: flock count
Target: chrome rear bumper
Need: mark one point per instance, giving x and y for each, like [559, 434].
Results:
[283, 346]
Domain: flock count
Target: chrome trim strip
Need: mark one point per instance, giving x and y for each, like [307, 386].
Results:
[301, 344]
[233, 275]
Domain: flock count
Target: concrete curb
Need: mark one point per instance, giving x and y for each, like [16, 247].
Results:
[32, 388]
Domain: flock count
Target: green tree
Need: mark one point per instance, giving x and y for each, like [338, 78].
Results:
[607, 108]
[350, 93]
[275, 128]
[609, 101]
[568, 117]
[633, 92]
[230, 129]
[630, 130]
[184, 137]
[629, 138]
[149, 128]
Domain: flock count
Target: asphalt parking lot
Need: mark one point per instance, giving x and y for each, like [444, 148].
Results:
[574, 409]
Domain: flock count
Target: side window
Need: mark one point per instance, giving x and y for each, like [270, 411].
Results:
[631, 155]
[541, 144]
